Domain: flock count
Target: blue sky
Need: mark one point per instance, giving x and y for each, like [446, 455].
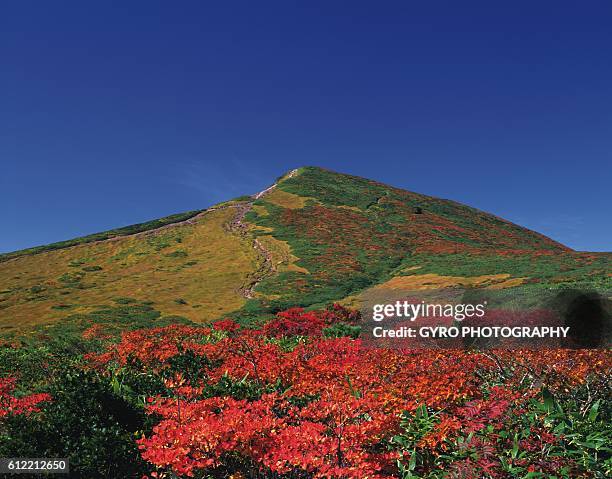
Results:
[114, 113]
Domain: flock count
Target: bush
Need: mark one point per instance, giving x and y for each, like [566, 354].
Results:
[340, 330]
[85, 422]
[179, 253]
[93, 268]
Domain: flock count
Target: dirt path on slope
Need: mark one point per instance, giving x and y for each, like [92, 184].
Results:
[291, 174]
[237, 225]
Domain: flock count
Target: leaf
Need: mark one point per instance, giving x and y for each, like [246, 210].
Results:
[515, 446]
[594, 410]
[421, 412]
[549, 400]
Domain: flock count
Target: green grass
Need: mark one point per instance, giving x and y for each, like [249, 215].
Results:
[560, 268]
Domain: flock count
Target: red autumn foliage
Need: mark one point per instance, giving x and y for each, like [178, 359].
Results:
[330, 407]
[10, 404]
[295, 322]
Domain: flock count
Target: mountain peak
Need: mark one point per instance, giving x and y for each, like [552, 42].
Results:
[313, 237]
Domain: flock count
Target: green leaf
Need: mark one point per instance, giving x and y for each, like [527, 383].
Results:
[594, 410]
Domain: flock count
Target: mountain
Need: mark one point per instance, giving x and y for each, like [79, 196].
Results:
[313, 237]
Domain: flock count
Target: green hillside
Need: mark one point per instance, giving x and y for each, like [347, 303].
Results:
[313, 238]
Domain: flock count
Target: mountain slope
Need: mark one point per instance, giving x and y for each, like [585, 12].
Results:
[315, 236]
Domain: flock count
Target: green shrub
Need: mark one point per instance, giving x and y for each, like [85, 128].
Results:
[90, 269]
[71, 278]
[37, 288]
[60, 307]
[179, 253]
[86, 422]
[340, 330]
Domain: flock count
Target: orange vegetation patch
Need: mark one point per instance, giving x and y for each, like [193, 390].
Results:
[285, 199]
[509, 283]
[193, 270]
[281, 257]
[436, 281]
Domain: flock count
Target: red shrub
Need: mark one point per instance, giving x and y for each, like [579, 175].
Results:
[13, 405]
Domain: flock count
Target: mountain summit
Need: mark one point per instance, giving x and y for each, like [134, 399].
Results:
[313, 237]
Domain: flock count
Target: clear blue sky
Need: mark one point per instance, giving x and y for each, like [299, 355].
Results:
[113, 113]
